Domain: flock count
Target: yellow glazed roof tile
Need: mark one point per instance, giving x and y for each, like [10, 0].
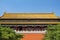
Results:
[29, 22]
[29, 15]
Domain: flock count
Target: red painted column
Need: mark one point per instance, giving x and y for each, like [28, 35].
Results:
[16, 28]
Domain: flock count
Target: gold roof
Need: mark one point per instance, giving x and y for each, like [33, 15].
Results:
[29, 15]
[29, 22]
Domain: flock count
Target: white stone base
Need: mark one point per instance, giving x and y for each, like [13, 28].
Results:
[43, 32]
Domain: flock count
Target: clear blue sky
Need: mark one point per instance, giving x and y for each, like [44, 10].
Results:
[30, 6]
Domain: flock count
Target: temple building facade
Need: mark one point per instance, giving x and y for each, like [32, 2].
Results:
[29, 22]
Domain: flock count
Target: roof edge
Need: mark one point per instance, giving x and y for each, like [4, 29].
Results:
[29, 13]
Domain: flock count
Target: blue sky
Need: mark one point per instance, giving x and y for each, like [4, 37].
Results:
[30, 6]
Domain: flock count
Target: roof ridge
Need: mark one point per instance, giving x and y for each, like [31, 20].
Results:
[27, 13]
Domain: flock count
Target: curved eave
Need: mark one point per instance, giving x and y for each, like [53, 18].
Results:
[29, 18]
[29, 22]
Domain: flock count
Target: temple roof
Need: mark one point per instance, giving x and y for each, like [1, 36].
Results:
[29, 15]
